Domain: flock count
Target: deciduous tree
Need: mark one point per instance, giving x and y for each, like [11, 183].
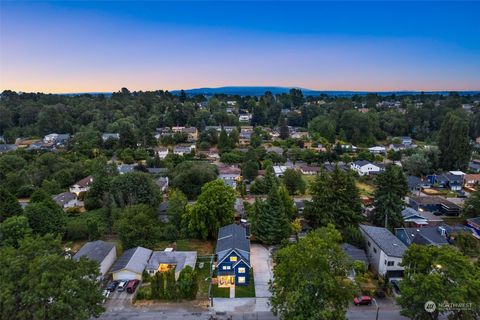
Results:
[310, 278]
[213, 209]
[438, 274]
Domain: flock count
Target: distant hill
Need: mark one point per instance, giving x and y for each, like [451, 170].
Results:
[258, 91]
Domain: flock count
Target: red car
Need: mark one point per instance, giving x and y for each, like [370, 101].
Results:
[132, 285]
[363, 300]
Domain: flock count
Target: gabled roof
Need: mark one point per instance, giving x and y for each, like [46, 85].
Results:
[95, 250]
[134, 260]
[180, 259]
[362, 163]
[385, 240]
[85, 182]
[233, 237]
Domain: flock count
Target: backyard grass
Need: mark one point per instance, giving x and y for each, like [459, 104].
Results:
[308, 179]
[248, 291]
[365, 189]
[202, 247]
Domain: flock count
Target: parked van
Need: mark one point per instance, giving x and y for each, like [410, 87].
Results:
[132, 285]
[122, 285]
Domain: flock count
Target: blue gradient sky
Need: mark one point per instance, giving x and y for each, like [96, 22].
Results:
[103, 46]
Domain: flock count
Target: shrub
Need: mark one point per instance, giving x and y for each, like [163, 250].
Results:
[187, 283]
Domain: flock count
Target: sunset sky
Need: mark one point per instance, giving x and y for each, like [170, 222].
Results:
[90, 46]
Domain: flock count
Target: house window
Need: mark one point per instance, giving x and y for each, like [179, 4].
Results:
[391, 263]
[368, 243]
[374, 249]
[241, 270]
[226, 267]
[241, 279]
[385, 262]
[233, 258]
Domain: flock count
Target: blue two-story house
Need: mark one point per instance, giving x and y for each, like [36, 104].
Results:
[233, 256]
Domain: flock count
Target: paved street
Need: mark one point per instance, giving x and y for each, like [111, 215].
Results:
[262, 269]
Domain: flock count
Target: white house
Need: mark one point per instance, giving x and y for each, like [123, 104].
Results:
[279, 170]
[131, 264]
[56, 138]
[67, 200]
[365, 168]
[162, 152]
[384, 251]
[104, 253]
[245, 117]
[82, 185]
[181, 150]
[230, 175]
[377, 150]
[112, 136]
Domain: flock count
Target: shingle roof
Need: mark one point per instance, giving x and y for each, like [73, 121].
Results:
[134, 259]
[231, 237]
[355, 253]
[385, 240]
[95, 250]
[180, 259]
[361, 163]
[85, 182]
[426, 235]
[64, 197]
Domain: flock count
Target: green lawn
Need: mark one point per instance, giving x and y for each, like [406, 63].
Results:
[220, 292]
[248, 291]
[203, 278]
[202, 247]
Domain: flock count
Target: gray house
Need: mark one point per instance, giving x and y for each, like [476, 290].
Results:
[162, 261]
[104, 253]
[131, 264]
[384, 251]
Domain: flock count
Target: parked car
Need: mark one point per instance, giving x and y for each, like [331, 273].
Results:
[362, 300]
[122, 285]
[132, 285]
[112, 285]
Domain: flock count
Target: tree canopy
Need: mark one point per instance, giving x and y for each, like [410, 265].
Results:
[38, 282]
[310, 278]
[213, 209]
[335, 199]
[441, 275]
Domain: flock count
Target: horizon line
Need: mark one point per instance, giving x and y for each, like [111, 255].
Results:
[252, 87]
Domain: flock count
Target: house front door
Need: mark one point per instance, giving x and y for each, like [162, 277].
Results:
[226, 281]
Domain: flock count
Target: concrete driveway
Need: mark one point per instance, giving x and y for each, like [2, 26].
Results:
[261, 262]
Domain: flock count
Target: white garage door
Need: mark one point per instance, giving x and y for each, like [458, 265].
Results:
[126, 275]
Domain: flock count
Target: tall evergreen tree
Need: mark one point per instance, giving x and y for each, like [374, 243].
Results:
[9, 205]
[335, 200]
[454, 142]
[271, 223]
[284, 132]
[391, 189]
[223, 141]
